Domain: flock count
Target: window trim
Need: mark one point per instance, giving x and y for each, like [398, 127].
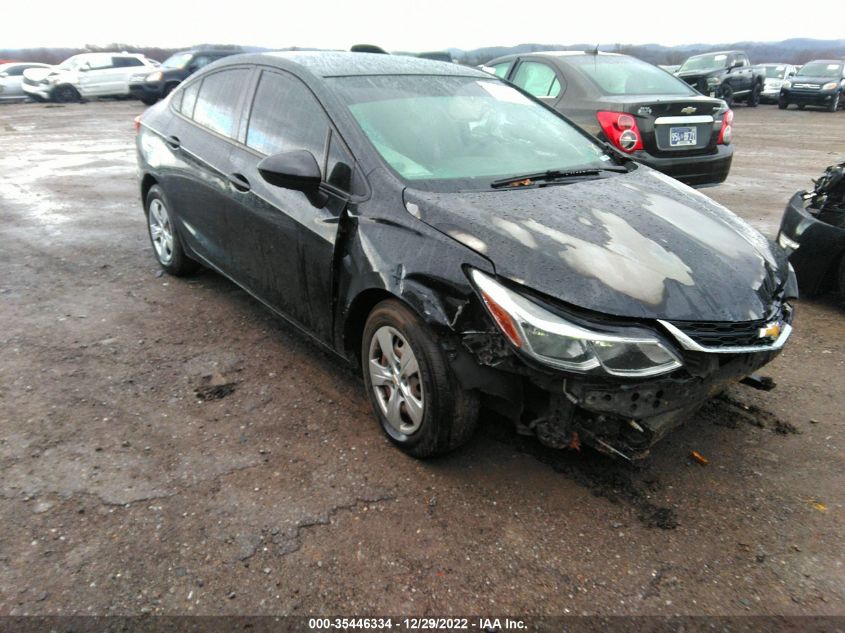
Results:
[245, 105]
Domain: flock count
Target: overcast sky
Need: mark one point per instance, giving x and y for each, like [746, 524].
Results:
[414, 25]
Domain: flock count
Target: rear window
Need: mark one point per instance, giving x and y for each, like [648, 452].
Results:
[217, 103]
[628, 76]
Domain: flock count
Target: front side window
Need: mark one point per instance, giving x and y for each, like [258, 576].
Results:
[618, 75]
[775, 72]
[537, 79]
[217, 102]
[286, 116]
[448, 133]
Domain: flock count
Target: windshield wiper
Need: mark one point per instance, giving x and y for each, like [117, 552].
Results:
[526, 180]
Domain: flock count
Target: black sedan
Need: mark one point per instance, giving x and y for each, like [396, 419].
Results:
[641, 109]
[460, 243]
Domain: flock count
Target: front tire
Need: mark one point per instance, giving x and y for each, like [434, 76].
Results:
[66, 94]
[754, 97]
[783, 104]
[833, 106]
[167, 245]
[418, 401]
[728, 95]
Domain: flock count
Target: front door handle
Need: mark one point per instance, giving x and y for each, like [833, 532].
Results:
[239, 182]
[174, 142]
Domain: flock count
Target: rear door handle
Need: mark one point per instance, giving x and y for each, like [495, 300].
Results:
[174, 142]
[239, 182]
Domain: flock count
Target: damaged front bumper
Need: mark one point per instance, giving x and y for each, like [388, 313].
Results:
[618, 416]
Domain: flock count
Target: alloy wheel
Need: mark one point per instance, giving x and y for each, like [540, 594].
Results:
[161, 231]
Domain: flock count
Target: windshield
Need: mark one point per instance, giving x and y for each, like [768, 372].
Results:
[179, 60]
[628, 76]
[821, 69]
[705, 62]
[449, 133]
[775, 72]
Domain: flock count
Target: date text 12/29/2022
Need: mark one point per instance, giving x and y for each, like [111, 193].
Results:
[417, 624]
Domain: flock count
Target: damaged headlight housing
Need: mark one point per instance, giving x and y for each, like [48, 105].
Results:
[555, 341]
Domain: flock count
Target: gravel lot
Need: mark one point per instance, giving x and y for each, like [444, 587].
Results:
[129, 486]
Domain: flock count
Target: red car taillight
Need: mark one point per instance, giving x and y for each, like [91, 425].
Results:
[621, 130]
[137, 124]
[726, 133]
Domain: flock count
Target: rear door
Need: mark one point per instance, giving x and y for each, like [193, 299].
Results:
[117, 80]
[206, 121]
[286, 243]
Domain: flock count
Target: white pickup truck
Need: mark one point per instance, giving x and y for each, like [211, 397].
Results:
[85, 76]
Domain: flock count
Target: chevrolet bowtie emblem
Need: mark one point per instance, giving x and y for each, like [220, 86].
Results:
[772, 331]
[688, 110]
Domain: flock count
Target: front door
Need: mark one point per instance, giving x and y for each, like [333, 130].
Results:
[284, 244]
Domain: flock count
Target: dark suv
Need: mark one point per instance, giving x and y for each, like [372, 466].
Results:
[639, 108]
[818, 83]
[150, 87]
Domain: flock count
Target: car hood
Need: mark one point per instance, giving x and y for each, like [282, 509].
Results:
[809, 79]
[637, 245]
[37, 74]
[698, 74]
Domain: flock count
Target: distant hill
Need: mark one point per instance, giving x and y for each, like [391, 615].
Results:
[793, 51]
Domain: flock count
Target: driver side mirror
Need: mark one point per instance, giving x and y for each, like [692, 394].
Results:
[297, 170]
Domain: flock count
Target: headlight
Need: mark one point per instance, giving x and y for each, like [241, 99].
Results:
[786, 84]
[829, 86]
[713, 81]
[156, 76]
[557, 342]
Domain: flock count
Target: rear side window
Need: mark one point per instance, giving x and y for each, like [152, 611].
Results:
[17, 71]
[126, 62]
[286, 116]
[537, 79]
[217, 102]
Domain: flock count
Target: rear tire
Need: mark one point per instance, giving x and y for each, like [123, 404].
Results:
[417, 399]
[165, 239]
[754, 97]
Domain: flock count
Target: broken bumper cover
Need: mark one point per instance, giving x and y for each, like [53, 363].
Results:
[618, 416]
[813, 246]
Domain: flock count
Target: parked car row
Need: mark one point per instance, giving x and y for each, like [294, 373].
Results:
[91, 75]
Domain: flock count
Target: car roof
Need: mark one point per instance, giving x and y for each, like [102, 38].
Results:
[824, 61]
[556, 54]
[342, 64]
[719, 53]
